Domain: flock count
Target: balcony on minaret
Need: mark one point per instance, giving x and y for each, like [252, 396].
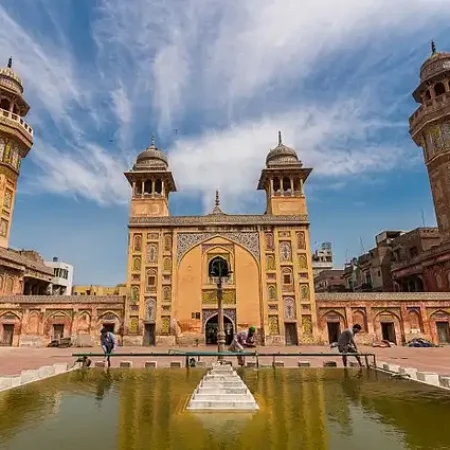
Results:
[432, 94]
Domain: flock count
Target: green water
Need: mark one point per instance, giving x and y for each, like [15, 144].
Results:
[300, 409]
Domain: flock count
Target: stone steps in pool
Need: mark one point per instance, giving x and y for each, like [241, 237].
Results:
[221, 389]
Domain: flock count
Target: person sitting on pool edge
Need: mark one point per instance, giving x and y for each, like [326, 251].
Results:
[347, 344]
[243, 339]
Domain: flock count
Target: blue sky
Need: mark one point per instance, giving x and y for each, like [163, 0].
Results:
[215, 81]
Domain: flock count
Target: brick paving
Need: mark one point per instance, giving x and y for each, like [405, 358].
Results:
[13, 360]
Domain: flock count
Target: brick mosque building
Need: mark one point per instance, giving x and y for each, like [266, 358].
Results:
[171, 299]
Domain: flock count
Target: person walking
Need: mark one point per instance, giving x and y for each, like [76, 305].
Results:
[347, 344]
[243, 339]
[108, 343]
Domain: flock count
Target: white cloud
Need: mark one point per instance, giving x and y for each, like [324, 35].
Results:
[245, 67]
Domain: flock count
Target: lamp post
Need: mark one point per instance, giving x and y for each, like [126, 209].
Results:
[219, 269]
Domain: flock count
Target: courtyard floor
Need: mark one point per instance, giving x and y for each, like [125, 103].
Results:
[15, 359]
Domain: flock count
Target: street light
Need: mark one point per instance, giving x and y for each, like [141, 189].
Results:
[219, 269]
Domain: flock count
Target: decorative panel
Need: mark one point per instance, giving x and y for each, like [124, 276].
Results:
[165, 324]
[269, 241]
[150, 310]
[284, 234]
[209, 297]
[135, 294]
[273, 308]
[274, 327]
[285, 251]
[307, 325]
[136, 263]
[153, 236]
[167, 294]
[270, 262]
[301, 242]
[248, 240]
[289, 308]
[167, 242]
[303, 262]
[167, 264]
[134, 325]
[152, 253]
[272, 293]
[137, 243]
[304, 292]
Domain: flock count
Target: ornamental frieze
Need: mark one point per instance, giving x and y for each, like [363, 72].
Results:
[220, 219]
[210, 297]
[248, 240]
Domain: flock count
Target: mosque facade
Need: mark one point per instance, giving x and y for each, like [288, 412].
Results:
[170, 297]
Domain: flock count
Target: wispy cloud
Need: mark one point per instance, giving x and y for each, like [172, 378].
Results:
[227, 76]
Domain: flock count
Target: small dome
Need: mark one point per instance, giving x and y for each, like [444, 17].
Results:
[10, 79]
[151, 158]
[436, 63]
[282, 154]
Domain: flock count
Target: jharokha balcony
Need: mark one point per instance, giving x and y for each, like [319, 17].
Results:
[16, 121]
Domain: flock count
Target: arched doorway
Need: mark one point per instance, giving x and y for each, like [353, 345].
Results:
[212, 327]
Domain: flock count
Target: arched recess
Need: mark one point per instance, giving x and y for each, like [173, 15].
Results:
[359, 317]
[210, 329]
[440, 327]
[9, 316]
[34, 320]
[191, 292]
[110, 320]
[332, 323]
[439, 89]
[84, 323]
[5, 104]
[388, 327]
[209, 256]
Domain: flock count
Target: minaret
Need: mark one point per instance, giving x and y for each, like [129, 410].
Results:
[430, 129]
[16, 140]
[283, 180]
[151, 183]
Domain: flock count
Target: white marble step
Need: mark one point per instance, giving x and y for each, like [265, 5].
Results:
[223, 397]
[214, 390]
[223, 405]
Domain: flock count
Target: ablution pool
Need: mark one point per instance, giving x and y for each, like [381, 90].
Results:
[301, 409]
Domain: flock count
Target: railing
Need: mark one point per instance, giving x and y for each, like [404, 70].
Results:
[257, 355]
[430, 107]
[16, 118]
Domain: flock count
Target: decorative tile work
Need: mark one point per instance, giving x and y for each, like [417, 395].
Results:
[274, 327]
[269, 241]
[136, 264]
[273, 309]
[307, 325]
[137, 243]
[304, 292]
[209, 297]
[284, 234]
[301, 242]
[219, 219]
[152, 253]
[153, 236]
[167, 242]
[289, 308]
[208, 313]
[167, 294]
[272, 293]
[150, 310]
[302, 261]
[167, 264]
[134, 325]
[270, 262]
[285, 251]
[165, 324]
[135, 294]
[249, 240]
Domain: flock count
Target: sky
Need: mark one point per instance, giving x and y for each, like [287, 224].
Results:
[214, 81]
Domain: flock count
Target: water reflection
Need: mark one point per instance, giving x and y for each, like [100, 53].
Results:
[300, 409]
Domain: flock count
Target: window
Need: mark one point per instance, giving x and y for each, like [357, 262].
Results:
[151, 278]
[196, 315]
[287, 277]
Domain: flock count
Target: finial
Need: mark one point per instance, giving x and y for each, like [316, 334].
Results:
[10, 63]
[217, 197]
[153, 140]
[280, 141]
[433, 48]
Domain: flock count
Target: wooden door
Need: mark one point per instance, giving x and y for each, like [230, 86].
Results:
[291, 333]
[8, 334]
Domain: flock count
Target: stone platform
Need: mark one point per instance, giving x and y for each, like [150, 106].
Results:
[221, 389]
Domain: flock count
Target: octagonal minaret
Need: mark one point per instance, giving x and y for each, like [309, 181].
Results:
[430, 129]
[16, 140]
